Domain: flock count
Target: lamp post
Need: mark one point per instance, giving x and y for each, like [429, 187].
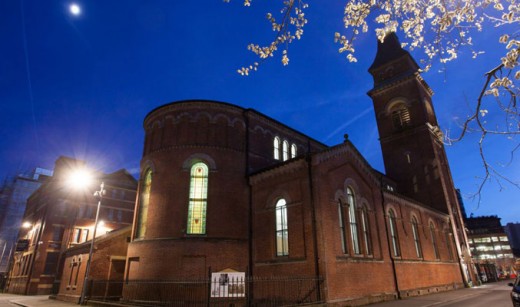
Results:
[99, 194]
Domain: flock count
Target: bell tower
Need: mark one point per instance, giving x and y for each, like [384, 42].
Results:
[411, 140]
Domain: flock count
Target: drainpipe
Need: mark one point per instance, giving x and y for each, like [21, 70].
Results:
[392, 260]
[250, 211]
[308, 158]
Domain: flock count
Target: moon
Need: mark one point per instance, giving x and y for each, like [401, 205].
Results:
[75, 9]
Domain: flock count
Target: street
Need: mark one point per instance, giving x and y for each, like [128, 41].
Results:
[492, 294]
[497, 296]
[5, 299]
[488, 295]
[30, 301]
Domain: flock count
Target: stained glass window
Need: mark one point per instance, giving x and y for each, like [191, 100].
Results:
[293, 151]
[198, 199]
[434, 241]
[393, 233]
[276, 148]
[353, 221]
[143, 204]
[366, 231]
[342, 230]
[282, 232]
[416, 238]
[448, 245]
[285, 150]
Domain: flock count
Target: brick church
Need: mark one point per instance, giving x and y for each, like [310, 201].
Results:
[224, 188]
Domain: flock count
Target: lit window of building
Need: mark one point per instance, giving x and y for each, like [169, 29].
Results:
[282, 229]
[143, 204]
[198, 199]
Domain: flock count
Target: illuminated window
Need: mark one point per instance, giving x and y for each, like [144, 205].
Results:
[342, 230]
[198, 199]
[143, 204]
[366, 231]
[285, 150]
[282, 231]
[434, 241]
[393, 233]
[353, 222]
[276, 148]
[293, 151]
[416, 238]
[79, 235]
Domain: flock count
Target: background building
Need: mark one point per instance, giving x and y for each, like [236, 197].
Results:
[61, 217]
[490, 248]
[14, 193]
[107, 266]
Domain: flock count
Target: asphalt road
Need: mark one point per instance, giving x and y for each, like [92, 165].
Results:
[496, 297]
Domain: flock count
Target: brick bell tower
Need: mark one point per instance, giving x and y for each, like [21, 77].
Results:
[411, 140]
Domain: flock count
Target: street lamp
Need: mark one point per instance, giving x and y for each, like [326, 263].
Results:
[99, 194]
[81, 179]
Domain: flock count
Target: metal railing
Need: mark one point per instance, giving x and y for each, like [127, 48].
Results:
[245, 291]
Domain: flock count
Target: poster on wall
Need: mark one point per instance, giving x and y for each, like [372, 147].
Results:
[228, 284]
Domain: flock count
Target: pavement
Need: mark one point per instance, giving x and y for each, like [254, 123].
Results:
[33, 301]
[419, 301]
[449, 296]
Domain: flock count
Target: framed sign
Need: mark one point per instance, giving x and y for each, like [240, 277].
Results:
[228, 284]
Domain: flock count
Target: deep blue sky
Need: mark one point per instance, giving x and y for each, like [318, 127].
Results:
[81, 85]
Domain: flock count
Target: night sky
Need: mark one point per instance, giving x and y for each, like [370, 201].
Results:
[81, 85]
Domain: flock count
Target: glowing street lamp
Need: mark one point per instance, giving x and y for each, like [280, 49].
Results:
[82, 179]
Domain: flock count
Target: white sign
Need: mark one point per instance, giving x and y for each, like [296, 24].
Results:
[228, 284]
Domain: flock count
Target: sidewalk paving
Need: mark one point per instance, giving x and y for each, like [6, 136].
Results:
[38, 301]
[418, 301]
[445, 297]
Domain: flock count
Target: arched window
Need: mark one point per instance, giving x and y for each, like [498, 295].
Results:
[276, 148]
[353, 222]
[366, 231]
[434, 241]
[285, 150]
[416, 238]
[342, 230]
[198, 199]
[393, 233]
[144, 201]
[282, 231]
[400, 116]
[448, 244]
[293, 151]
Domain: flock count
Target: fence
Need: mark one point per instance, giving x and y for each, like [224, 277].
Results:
[221, 291]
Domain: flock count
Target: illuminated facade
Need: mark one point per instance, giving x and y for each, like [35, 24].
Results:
[491, 248]
[223, 188]
[60, 218]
